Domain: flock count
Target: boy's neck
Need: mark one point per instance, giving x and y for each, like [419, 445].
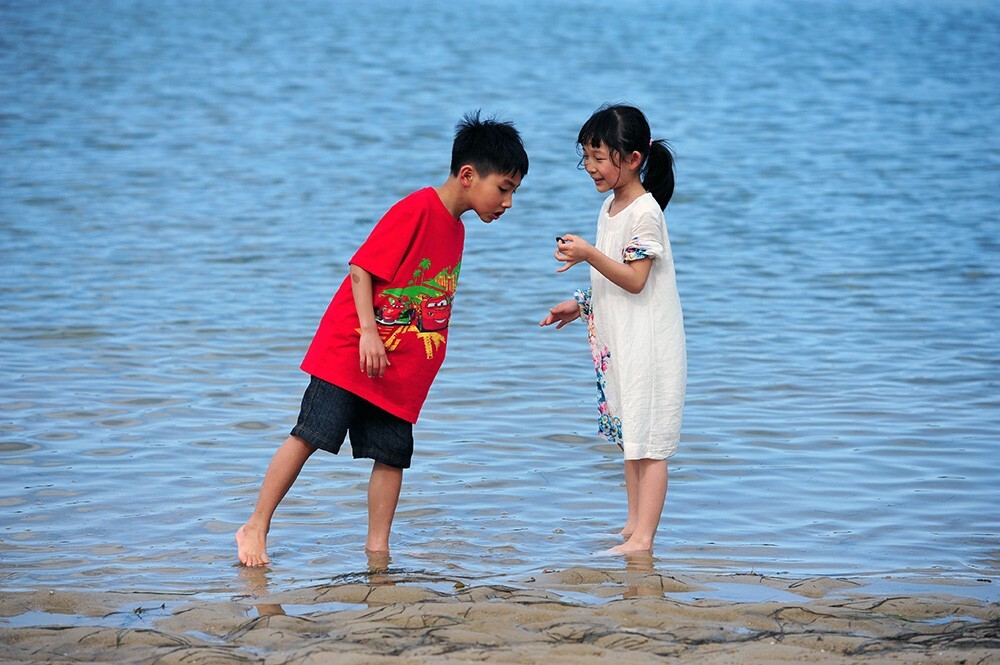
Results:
[452, 195]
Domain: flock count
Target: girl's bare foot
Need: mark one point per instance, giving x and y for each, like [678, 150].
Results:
[633, 545]
[626, 531]
[251, 545]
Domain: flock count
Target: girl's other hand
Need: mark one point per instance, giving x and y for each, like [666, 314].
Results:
[563, 313]
[571, 249]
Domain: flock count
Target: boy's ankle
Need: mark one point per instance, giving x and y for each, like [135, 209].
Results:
[251, 525]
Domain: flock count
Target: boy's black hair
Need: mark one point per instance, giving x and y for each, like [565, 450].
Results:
[624, 129]
[490, 146]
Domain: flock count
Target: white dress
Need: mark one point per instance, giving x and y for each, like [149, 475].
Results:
[637, 340]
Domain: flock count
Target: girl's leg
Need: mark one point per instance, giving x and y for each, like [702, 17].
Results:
[651, 495]
[383, 495]
[251, 538]
[632, 490]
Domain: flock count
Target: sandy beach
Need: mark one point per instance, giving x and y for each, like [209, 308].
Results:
[575, 616]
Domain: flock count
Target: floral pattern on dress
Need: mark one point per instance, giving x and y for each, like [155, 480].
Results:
[608, 425]
[635, 251]
[583, 299]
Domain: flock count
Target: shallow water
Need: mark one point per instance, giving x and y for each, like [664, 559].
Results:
[182, 185]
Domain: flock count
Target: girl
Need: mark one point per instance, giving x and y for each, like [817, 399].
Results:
[632, 308]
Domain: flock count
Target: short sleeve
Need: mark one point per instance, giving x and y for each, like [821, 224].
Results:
[385, 249]
[647, 238]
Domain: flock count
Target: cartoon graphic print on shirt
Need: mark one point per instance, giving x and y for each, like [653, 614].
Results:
[422, 307]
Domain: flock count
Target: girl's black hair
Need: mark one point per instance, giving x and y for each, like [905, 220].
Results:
[624, 129]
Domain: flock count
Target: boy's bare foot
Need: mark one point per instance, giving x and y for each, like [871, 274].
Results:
[251, 545]
[378, 561]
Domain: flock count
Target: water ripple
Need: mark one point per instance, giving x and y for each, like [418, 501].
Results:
[183, 185]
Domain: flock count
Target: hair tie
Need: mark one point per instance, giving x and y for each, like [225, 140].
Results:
[650, 143]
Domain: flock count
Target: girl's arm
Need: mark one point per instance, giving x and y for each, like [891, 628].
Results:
[371, 350]
[565, 312]
[630, 276]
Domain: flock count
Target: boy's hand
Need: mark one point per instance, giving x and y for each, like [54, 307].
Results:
[373, 356]
[571, 249]
[563, 313]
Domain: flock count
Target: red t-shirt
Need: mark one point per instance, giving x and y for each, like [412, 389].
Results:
[414, 254]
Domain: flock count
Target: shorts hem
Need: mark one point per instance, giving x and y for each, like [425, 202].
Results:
[380, 458]
[315, 440]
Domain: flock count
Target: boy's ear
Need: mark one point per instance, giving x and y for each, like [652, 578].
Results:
[465, 174]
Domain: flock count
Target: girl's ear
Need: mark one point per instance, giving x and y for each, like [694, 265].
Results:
[635, 159]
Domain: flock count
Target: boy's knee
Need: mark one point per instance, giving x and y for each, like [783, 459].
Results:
[301, 443]
[381, 467]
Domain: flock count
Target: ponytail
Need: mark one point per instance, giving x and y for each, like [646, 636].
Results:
[658, 178]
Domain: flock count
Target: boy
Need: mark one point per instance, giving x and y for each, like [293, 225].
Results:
[383, 337]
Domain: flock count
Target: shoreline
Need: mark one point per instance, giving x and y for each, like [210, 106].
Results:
[575, 616]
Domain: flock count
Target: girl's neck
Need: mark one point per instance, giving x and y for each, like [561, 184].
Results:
[625, 194]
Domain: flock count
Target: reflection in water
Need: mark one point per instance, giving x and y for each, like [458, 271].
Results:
[255, 582]
[269, 609]
[378, 568]
[642, 562]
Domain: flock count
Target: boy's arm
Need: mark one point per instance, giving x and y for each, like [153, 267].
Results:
[373, 359]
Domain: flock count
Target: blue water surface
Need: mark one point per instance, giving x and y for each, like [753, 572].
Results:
[181, 185]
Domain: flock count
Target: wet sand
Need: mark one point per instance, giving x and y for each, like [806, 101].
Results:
[575, 616]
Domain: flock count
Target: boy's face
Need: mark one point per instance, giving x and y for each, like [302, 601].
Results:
[492, 195]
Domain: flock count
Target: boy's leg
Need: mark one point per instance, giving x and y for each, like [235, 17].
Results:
[632, 490]
[251, 538]
[651, 495]
[387, 440]
[383, 496]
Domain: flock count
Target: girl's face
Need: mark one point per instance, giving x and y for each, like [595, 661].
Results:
[607, 169]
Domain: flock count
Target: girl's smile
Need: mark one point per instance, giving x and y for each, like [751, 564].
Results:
[599, 165]
[612, 171]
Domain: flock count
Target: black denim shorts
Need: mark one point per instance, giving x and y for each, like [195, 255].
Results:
[329, 413]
